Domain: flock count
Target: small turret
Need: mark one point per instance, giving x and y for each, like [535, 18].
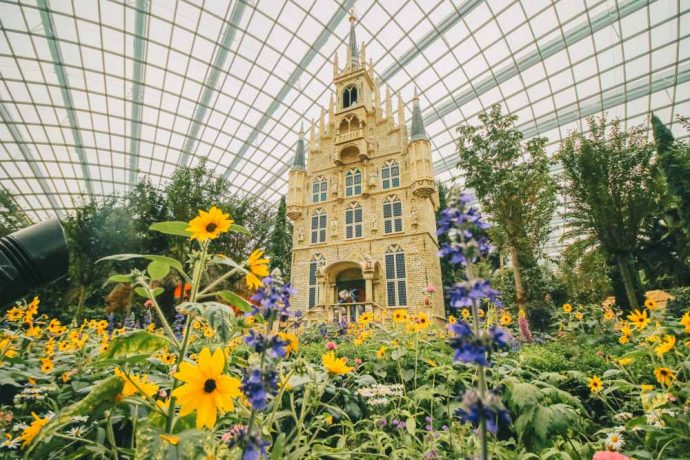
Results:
[419, 150]
[296, 180]
[335, 65]
[389, 107]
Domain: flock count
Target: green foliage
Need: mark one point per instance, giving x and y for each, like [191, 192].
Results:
[585, 273]
[512, 184]
[610, 183]
[280, 250]
[11, 217]
[132, 346]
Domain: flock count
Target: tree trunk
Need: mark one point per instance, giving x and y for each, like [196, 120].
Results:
[519, 288]
[627, 269]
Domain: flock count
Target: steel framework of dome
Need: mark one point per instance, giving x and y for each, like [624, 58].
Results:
[96, 94]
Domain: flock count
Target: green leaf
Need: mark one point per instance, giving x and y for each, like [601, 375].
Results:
[216, 315]
[119, 279]
[524, 394]
[411, 425]
[158, 270]
[102, 392]
[221, 259]
[176, 228]
[157, 291]
[168, 260]
[236, 301]
[141, 292]
[139, 343]
[239, 229]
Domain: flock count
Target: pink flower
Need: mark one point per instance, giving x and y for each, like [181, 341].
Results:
[358, 361]
[608, 455]
[148, 303]
[524, 329]
[331, 345]
[430, 288]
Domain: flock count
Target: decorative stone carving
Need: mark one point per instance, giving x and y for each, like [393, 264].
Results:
[334, 228]
[335, 184]
[300, 235]
[373, 176]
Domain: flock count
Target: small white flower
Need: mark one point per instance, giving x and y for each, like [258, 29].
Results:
[77, 431]
[10, 443]
[614, 441]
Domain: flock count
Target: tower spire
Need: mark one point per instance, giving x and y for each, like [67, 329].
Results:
[322, 126]
[389, 106]
[401, 112]
[312, 134]
[335, 65]
[352, 52]
[417, 130]
[299, 162]
[331, 112]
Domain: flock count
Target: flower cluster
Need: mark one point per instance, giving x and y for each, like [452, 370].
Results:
[475, 348]
[379, 394]
[476, 408]
[272, 299]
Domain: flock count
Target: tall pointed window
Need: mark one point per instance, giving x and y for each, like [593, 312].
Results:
[319, 190]
[392, 215]
[396, 281]
[353, 221]
[317, 261]
[318, 226]
[353, 182]
[390, 174]
[349, 96]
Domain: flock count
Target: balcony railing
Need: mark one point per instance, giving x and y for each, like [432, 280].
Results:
[349, 136]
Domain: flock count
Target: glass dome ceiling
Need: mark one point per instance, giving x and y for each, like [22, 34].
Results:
[96, 94]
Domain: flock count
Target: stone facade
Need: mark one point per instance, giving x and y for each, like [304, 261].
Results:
[357, 222]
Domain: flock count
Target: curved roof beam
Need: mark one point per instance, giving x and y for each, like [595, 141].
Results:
[290, 83]
[140, 40]
[51, 37]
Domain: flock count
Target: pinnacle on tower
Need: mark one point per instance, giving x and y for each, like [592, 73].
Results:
[417, 130]
[352, 52]
[299, 162]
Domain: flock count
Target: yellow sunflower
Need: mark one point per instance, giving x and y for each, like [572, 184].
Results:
[465, 313]
[651, 304]
[381, 352]
[685, 321]
[422, 320]
[639, 319]
[665, 346]
[625, 361]
[46, 365]
[136, 383]
[609, 315]
[664, 375]
[506, 319]
[292, 341]
[32, 430]
[206, 389]
[365, 318]
[595, 385]
[567, 308]
[335, 366]
[209, 225]
[579, 315]
[7, 349]
[399, 316]
[452, 320]
[258, 269]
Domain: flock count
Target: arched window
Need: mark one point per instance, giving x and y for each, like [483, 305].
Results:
[353, 182]
[390, 174]
[317, 261]
[349, 96]
[353, 221]
[319, 190]
[396, 280]
[392, 215]
[318, 226]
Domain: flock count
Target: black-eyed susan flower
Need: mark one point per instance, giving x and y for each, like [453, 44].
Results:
[47, 365]
[664, 375]
[381, 352]
[579, 315]
[452, 320]
[506, 319]
[399, 316]
[567, 308]
[422, 320]
[209, 225]
[258, 269]
[651, 304]
[639, 319]
[595, 384]
[292, 341]
[206, 389]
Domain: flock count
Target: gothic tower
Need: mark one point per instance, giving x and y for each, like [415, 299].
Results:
[363, 204]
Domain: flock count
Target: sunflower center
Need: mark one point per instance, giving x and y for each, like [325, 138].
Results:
[211, 227]
[209, 385]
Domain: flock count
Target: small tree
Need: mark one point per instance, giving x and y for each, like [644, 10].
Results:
[610, 182]
[281, 241]
[512, 184]
[11, 217]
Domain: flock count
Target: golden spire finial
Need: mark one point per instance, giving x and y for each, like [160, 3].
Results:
[353, 18]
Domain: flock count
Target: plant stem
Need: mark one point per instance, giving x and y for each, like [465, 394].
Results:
[196, 280]
[220, 279]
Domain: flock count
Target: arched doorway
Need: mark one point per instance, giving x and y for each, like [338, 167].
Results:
[351, 281]
[349, 288]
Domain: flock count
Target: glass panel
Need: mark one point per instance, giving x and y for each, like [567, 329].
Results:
[402, 293]
[390, 291]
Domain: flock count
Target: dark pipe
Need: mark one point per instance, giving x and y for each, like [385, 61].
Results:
[31, 257]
